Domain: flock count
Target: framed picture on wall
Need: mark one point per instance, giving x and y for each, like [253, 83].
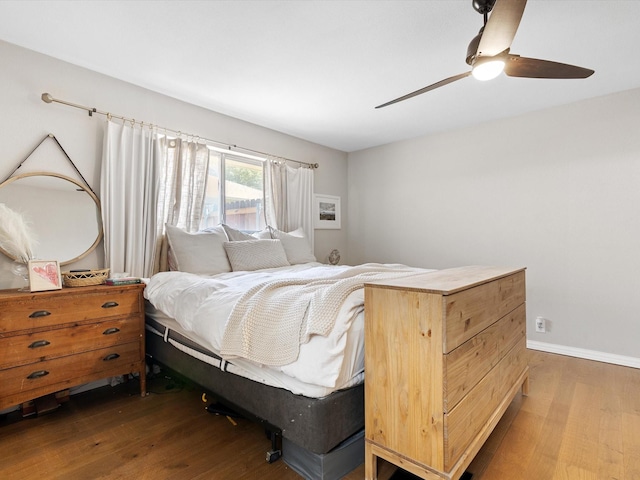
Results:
[44, 275]
[326, 212]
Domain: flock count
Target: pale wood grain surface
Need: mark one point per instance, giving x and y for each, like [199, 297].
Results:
[409, 336]
[450, 280]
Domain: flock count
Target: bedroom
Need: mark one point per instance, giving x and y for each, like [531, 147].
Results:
[557, 193]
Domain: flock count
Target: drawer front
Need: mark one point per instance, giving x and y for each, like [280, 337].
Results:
[470, 311]
[39, 311]
[469, 363]
[464, 421]
[34, 347]
[64, 370]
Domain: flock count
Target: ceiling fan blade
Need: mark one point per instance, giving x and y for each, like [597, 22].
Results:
[517, 66]
[441, 83]
[501, 27]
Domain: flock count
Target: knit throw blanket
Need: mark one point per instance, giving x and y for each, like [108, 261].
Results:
[271, 320]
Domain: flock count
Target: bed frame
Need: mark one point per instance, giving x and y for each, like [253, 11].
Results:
[313, 427]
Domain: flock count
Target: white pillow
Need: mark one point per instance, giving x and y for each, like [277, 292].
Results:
[263, 234]
[237, 236]
[295, 245]
[201, 252]
[249, 255]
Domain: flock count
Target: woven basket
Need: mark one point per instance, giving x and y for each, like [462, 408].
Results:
[84, 279]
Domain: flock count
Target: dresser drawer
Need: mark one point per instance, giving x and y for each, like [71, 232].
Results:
[38, 311]
[33, 347]
[470, 311]
[463, 422]
[471, 361]
[64, 371]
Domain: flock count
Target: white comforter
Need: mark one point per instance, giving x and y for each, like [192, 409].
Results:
[203, 304]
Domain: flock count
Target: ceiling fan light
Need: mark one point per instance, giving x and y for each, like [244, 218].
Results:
[488, 69]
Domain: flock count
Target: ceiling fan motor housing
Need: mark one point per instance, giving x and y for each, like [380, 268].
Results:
[483, 6]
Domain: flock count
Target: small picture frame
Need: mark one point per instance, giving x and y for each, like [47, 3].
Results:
[44, 275]
[326, 212]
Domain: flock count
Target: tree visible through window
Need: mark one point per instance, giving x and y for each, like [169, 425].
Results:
[235, 193]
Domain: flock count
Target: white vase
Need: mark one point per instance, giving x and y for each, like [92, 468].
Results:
[20, 269]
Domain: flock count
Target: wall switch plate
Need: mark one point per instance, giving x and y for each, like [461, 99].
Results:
[541, 325]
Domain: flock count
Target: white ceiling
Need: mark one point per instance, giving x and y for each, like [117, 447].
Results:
[316, 69]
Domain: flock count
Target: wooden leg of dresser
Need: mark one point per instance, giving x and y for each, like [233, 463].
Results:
[525, 384]
[370, 463]
[143, 379]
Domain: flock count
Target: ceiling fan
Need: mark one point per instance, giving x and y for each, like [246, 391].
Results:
[488, 53]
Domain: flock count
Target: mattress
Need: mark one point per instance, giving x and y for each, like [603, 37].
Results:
[201, 308]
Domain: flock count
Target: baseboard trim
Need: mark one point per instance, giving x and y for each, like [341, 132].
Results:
[625, 361]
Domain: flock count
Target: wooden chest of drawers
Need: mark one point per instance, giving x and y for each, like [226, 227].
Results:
[50, 341]
[445, 353]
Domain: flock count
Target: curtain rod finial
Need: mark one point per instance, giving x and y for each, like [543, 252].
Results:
[47, 98]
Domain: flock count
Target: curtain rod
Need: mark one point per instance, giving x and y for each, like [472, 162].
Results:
[47, 98]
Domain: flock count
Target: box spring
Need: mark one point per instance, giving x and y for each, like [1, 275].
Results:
[314, 424]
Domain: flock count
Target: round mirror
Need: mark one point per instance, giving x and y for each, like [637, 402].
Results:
[64, 215]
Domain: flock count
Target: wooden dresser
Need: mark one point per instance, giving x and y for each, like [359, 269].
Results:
[445, 353]
[50, 341]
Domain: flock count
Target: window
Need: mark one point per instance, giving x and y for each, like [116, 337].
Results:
[235, 194]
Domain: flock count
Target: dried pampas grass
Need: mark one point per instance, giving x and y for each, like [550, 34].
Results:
[16, 236]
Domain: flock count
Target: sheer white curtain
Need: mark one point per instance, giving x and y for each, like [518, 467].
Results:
[147, 180]
[129, 184]
[183, 188]
[289, 198]
[275, 194]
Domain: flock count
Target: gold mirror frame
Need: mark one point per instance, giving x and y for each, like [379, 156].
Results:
[80, 186]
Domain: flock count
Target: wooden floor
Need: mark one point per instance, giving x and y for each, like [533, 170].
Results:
[580, 421]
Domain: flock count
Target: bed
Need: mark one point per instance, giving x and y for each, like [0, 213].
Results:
[273, 334]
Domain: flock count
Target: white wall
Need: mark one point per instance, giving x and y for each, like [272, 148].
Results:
[26, 119]
[557, 191]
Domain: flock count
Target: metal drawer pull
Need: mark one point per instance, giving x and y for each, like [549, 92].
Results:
[111, 356]
[39, 343]
[110, 305]
[38, 374]
[111, 331]
[39, 313]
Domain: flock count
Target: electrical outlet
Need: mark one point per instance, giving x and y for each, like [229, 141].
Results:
[541, 325]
